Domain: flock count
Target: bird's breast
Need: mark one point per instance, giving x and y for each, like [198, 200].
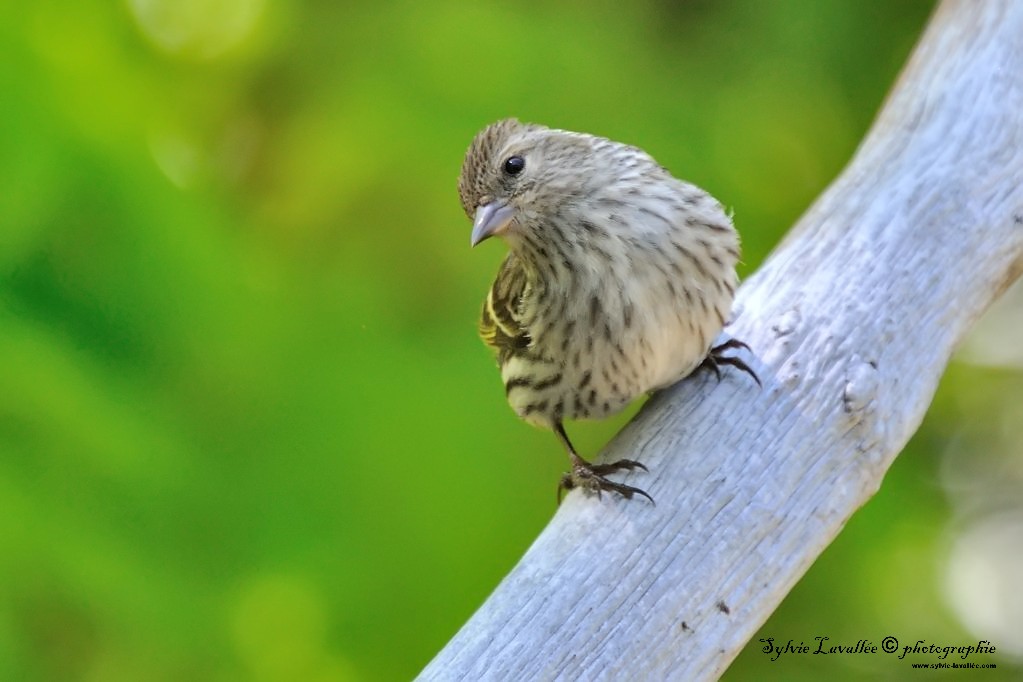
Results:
[595, 349]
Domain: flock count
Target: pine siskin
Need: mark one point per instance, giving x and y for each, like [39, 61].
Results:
[618, 279]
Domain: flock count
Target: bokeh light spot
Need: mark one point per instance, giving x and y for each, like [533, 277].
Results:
[203, 29]
[982, 580]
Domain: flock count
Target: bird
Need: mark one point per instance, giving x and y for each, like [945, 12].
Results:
[617, 281]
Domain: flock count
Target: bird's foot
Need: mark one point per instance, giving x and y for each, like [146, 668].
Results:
[591, 478]
[716, 357]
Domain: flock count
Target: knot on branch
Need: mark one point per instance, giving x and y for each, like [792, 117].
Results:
[861, 386]
[859, 400]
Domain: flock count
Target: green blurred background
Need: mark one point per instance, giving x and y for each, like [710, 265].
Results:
[247, 430]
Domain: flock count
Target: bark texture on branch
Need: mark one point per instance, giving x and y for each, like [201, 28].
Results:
[853, 319]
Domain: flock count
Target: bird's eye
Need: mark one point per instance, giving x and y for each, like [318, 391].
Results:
[514, 165]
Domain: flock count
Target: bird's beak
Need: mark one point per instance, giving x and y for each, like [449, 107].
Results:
[491, 219]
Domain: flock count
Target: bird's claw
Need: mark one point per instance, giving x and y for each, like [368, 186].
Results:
[716, 357]
[591, 478]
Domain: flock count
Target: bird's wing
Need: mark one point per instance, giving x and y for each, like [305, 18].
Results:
[499, 321]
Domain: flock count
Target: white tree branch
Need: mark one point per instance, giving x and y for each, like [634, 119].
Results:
[852, 319]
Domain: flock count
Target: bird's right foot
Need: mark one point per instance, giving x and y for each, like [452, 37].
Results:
[591, 478]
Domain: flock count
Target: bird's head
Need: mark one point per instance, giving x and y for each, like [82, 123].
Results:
[515, 175]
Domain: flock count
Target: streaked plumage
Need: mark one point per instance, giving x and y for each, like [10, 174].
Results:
[619, 276]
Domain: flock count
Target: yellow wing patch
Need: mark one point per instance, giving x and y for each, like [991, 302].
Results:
[499, 320]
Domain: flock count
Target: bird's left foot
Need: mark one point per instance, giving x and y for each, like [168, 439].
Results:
[716, 357]
[591, 478]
